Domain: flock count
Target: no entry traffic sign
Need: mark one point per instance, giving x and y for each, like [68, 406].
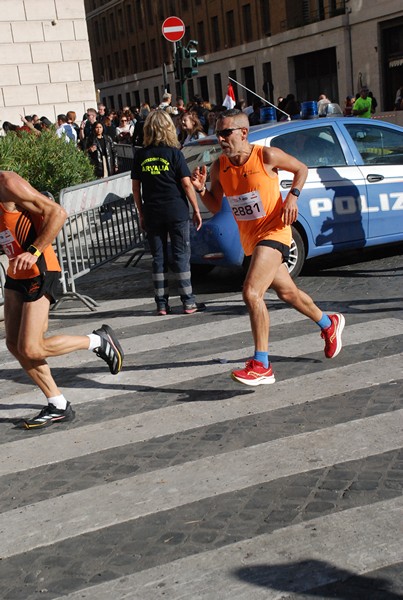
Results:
[173, 29]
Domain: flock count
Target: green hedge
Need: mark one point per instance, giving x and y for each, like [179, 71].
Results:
[49, 163]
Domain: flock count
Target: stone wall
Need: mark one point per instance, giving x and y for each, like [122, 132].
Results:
[45, 61]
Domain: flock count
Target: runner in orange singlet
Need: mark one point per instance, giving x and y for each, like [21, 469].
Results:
[247, 176]
[29, 222]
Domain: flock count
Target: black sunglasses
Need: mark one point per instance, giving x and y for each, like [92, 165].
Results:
[226, 132]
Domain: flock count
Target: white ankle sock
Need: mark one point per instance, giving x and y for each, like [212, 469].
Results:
[95, 341]
[59, 402]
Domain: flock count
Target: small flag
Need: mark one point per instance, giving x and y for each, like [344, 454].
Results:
[229, 100]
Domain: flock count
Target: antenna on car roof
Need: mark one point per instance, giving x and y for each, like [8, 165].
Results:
[264, 99]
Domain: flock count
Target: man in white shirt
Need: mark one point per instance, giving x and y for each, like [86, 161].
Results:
[65, 129]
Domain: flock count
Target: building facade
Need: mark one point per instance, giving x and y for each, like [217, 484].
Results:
[273, 47]
[45, 60]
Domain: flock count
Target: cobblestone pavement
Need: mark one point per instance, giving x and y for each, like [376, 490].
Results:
[175, 482]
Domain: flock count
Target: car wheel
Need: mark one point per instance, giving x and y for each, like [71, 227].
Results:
[297, 254]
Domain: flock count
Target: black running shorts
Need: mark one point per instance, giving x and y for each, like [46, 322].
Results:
[36, 287]
[282, 248]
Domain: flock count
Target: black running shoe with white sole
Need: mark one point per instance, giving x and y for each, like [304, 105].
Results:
[110, 350]
[48, 415]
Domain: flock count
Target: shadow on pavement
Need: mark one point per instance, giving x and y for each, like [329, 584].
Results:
[326, 266]
[307, 577]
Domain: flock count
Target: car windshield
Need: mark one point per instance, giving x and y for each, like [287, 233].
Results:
[316, 147]
[201, 154]
[377, 145]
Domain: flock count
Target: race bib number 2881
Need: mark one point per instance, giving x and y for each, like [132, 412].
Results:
[247, 207]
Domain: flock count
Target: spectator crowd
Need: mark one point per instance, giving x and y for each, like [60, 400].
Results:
[101, 129]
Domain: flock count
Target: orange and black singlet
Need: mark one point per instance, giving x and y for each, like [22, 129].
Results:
[255, 200]
[18, 230]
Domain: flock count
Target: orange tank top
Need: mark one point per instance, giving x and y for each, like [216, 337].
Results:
[18, 230]
[255, 200]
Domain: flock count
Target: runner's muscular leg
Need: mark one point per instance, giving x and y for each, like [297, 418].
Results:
[287, 291]
[12, 319]
[32, 341]
[26, 341]
[263, 267]
[38, 370]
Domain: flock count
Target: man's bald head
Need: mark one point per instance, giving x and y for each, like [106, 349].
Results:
[239, 118]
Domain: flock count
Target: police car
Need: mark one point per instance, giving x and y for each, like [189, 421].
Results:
[352, 198]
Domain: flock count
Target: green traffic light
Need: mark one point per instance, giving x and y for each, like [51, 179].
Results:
[191, 60]
[186, 61]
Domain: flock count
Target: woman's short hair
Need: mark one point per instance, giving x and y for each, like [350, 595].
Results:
[159, 130]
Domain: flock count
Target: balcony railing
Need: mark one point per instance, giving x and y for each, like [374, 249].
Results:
[328, 11]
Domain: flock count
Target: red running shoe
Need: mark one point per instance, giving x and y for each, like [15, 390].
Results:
[254, 373]
[332, 335]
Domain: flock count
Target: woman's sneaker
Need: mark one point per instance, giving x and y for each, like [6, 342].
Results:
[163, 310]
[110, 350]
[189, 309]
[48, 415]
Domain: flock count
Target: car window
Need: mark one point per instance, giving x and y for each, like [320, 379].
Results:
[200, 154]
[316, 147]
[377, 145]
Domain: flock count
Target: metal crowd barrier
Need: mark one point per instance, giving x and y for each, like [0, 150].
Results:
[102, 224]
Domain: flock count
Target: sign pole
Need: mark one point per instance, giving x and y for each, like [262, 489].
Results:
[173, 30]
[182, 80]
[165, 77]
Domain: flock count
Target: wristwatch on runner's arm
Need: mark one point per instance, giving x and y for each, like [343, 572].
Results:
[34, 250]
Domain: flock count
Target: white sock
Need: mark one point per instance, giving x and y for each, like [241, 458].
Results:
[95, 341]
[59, 402]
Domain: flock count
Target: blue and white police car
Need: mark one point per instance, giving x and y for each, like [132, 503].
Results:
[352, 198]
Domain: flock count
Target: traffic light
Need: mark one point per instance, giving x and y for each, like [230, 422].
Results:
[178, 63]
[191, 60]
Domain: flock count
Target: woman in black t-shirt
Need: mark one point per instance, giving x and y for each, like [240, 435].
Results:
[161, 191]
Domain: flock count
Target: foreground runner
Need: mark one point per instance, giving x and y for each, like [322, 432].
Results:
[29, 222]
[247, 176]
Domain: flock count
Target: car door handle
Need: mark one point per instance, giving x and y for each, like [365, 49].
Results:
[372, 178]
[286, 183]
